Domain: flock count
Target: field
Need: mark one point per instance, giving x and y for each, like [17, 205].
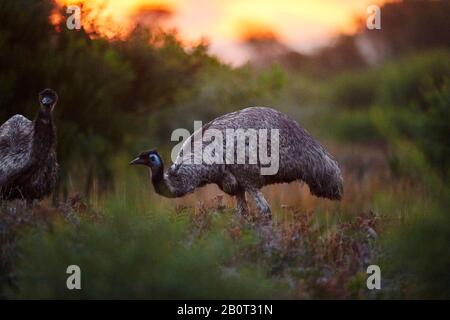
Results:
[132, 243]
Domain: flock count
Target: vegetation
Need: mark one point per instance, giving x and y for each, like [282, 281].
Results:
[387, 124]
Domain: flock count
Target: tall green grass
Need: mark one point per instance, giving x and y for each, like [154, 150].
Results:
[136, 252]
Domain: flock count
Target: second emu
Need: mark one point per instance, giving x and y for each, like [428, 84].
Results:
[28, 164]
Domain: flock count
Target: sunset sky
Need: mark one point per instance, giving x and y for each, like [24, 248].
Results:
[301, 24]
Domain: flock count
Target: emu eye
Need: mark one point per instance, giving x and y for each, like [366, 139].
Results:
[153, 159]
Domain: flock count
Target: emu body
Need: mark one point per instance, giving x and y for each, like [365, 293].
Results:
[28, 164]
[301, 158]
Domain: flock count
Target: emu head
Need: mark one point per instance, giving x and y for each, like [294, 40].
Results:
[175, 182]
[150, 159]
[48, 99]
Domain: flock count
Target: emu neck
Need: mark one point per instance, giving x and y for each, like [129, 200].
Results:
[160, 183]
[44, 139]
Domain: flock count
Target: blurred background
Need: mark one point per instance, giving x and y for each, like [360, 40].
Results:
[379, 100]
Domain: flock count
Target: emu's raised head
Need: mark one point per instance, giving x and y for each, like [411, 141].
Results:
[48, 99]
[150, 159]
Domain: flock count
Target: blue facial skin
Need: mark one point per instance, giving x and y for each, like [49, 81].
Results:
[47, 100]
[154, 159]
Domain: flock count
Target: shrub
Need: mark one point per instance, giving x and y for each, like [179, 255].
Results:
[354, 90]
[416, 256]
[406, 82]
[134, 253]
[424, 131]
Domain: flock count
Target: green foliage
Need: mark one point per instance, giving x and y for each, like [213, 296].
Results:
[136, 253]
[219, 90]
[401, 84]
[406, 83]
[352, 126]
[115, 96]
[354, 90]
[422, 127]
[106, 88]
[435, 129]
[416, 256]
[414, 121]
[404, 103]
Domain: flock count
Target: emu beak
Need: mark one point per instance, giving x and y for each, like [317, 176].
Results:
[137, 161]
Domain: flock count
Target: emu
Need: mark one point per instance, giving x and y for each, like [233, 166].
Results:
[301, 158]
[28, 163]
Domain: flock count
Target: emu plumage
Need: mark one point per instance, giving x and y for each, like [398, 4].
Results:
[301, 158]
[28, 164]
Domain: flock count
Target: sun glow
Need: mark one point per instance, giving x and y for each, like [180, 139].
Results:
[301, 24]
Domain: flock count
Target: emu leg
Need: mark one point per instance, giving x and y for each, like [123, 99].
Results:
[261, 203]
[242, 207]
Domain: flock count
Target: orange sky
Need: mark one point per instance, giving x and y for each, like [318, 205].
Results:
[301, 24]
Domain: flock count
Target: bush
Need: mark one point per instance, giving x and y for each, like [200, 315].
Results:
[424, 131]
[405, 103]
[416, 255]
[354, 90]
[405, 83]
[135, 252]
[356, 127]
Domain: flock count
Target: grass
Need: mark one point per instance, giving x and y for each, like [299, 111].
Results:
[130, 244]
